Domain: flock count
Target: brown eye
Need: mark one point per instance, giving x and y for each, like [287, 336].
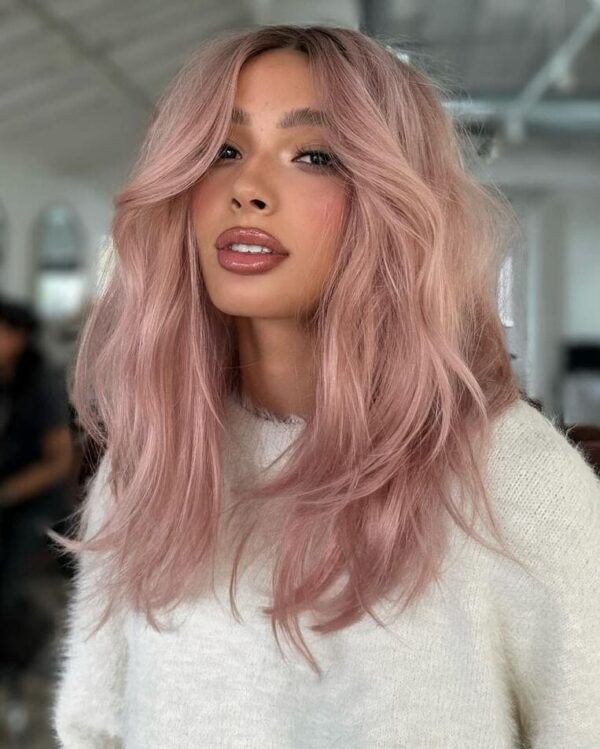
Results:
[324, 159]
[224, 149]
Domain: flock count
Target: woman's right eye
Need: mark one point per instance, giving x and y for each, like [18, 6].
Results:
[224, 148]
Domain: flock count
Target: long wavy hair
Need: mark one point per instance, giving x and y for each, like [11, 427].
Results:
[412, 364]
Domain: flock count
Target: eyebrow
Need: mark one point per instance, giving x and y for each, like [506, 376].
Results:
[293, 118]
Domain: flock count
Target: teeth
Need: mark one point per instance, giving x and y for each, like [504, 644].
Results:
[255, 248]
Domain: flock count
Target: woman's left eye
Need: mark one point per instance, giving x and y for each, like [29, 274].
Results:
[325, 159]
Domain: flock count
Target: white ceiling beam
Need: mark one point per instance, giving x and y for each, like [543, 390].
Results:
[61, 107]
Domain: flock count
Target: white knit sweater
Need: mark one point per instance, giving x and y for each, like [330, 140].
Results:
[490, 659]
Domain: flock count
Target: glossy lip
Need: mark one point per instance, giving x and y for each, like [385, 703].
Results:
[250, 235]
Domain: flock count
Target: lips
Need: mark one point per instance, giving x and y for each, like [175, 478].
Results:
[250, 235]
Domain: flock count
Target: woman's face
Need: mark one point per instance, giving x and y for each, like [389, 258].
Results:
[263, 180]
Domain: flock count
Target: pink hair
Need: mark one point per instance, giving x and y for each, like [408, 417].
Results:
[412, 366]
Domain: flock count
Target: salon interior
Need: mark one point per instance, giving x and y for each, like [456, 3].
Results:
[78, 83]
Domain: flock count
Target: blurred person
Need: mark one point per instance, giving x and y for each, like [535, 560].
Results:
[298, 376]
[36, 448]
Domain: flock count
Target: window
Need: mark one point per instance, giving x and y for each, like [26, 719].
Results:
[60, 281]
[506, 292]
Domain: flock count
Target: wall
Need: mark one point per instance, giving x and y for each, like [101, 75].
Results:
[582, 268]
[558, 284]
[25, 190]
[556, 195]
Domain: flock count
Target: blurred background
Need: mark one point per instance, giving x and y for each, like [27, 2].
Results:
[78, 81]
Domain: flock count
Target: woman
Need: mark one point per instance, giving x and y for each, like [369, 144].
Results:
[339, 415]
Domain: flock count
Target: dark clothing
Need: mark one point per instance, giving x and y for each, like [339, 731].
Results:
[28, 411]
[26, 414]
[32, 403]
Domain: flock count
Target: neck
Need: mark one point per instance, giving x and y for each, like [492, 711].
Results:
[276, 367]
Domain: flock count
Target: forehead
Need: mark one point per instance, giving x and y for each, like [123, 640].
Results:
[277, 77]
[277, 85]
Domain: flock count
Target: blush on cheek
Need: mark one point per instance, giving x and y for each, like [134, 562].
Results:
[198, 200]
[319, 233]
[202, 211]
[329, 213]
[327, 202]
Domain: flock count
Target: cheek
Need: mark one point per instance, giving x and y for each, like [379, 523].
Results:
[321, 219]
[204, 198]
[326, 204]
[200, 201]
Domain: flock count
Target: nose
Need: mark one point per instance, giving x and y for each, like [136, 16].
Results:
[253, 188]
[238, 203]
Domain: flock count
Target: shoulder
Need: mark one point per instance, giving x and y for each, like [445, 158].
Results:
[530, 455]
[545, 494]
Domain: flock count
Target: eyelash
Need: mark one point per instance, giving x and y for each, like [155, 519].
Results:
[333, 163]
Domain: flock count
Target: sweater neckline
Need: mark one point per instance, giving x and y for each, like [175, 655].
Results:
[260, 412]
[259, 434]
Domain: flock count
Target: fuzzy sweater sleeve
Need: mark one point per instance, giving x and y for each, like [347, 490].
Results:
[551, 619]
[88, 693]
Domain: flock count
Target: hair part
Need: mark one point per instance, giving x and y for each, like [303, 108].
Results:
[412, 366]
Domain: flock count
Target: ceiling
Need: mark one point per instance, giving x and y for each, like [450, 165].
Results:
[78, 78]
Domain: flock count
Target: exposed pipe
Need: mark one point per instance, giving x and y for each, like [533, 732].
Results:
[580, 116]
[517, 110]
